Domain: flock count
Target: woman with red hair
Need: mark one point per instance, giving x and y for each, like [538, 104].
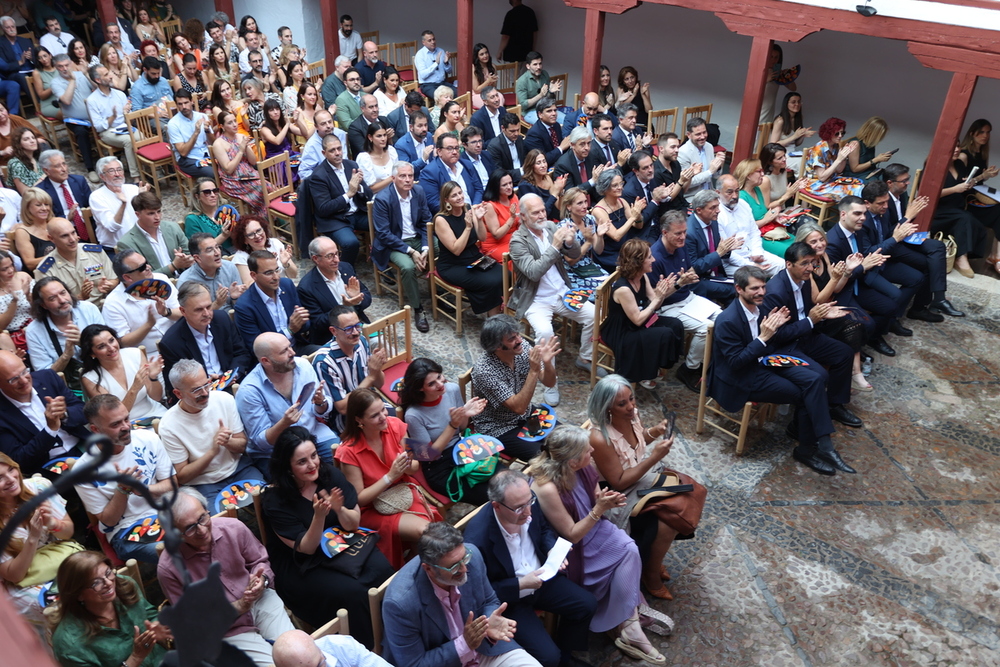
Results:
[827, 159]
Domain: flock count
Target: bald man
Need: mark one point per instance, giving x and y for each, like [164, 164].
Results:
[590, 106]
[370, 67]
[84, 268]
[297, 649]
[736, 219]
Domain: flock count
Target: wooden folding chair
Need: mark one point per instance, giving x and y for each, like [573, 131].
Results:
[276, 178]
[316, 72]
[384, 51]
[915, 183]
[604, 356]
[465, 99]
[393, 334]
[509, 282]
[50, 126]
[185, 183]
[375, 597]
[409, 86]
[389, 280]
[761, 411]
[453, 295]
[662, 121]
[370, 36]
[559, 97]
[88, 222]
[169, 28]
[464, 521]
[402, 58]
[151, 151]
[465, 382]
[103, 149]
[702, 111]
[131, 569]
[507, 74]
[822, 209]
[337, 626]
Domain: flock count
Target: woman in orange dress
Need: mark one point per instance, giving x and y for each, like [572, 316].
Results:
[502, 217]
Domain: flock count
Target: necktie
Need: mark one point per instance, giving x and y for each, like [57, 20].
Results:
[711, 246]
[582, 121]
[607, 153]
[583, 174]
[645, 193]
[77, 219]
[631, 141]
[854, 248]
[554, 136]
[878, 226]
[61, 43]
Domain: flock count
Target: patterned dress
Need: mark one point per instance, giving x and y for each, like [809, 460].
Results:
[586, 273]
[19, 171]
[820, 158]
[244, 184]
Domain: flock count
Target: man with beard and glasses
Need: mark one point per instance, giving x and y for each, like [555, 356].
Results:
[111, 204]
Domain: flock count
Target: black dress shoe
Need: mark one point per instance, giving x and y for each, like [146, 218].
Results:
[846, 417]
[690, 377]
[898, 329]
[834, 459]
[944, 306]
[925, 315]
[882, 347]
[812, 460]
[423, 326]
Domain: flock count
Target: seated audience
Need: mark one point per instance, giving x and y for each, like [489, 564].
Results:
[736, 218]
[276, 132]
[218, 275]
[590, 107]
[451, 118]
[71, 88]
[632, 91]
[202, 218]
[53, 335]
[502, 215]
[307, 103]
[33, 398]
[604, 147]
[671, 262]
[55, 39]
[272, 304]
[236, 161]
[339, 198]
[255, 94]
[400, 216]
[373, 459]
[297, 649]
[787, 129]
[399, 119]
[104, 618]
[707, 249]
[255, 49]
[952, 218]
[537, 180]
[624, 220]
[189, 132]
[584, 273]
[330, 283]
[147, 28]
[472, 151]
[371, 69]
[271, 398]
[484, 74]
[108, 368]
[605, 560]
[627, 134]
[111, 204]
[15, 300]
[221, 66]
[31, 236]
[431, 66]
[768, 196]
[826, 160]
[489, 114]
[45, 71]
[120, 69]
[139, 320]
[334, 85]
[308, 495]
[358, 129]
[416, 146]
[350, 41]
[513, 530]
[580, 166]
[633, 323]
[224, 99]
[22, 575]
[447, 579]
[458, 229]
[8, 123]
[137, 453]
[348, 102]
[645, 183]
[378, 156]
[250, 234]
[450, 166]
[23, 170]
[205, 335]
[700, 155]
[152, 89]
[292, 75]
[862, 162]
[85, 269]
[506, 375]
[160, 242]
[389, 93]
[533, 87]
[203, 433]
[607, 96]
[245, 572]
[668, 170]
[107, 107]
[546, 133]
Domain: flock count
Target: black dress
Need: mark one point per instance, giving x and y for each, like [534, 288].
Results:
[951, 218]
[313, 591]
[640, 351]
[42, 247]
[852, 329]
[484, 288]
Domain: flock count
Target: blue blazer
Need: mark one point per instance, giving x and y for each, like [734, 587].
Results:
[779, 293]
[416, 631]
[873, 238]
[435, 175]
[22, 441]
[400, 120]
[619, 136]
[734, 356]
[406, 150]
[651, 214]
[318, 300]
[538, 137]
[838, 248]
[179, 343]
[329, 208]
[77, 185]
[481, 119]
[702, 261]
[388, 220]
[10, 58]
[253, 319]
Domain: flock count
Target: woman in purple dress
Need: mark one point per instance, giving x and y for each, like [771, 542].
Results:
[606, 560]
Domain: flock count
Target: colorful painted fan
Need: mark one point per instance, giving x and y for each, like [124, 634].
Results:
[336, 539]
[61, 465]
[145, 423]
[540, 423]
[226, 215]
[475, 447]
[397, 385]
[786, 76]
[49, 594]
[783, 361]
[238, 494]
[574, 299]
[147, 288]
[145, 531]
[225, 379]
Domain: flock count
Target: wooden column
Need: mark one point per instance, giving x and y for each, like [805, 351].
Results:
[956, 105]
[106, 12]
[593, 44]
[753, 94]
[331, 26]
[463, 15]
[227, 7]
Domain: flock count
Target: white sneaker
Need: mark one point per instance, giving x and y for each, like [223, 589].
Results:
[551, 395]
[93, 177]
[585, 365]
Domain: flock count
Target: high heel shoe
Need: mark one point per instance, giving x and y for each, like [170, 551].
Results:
[632, 642]
[661, 593]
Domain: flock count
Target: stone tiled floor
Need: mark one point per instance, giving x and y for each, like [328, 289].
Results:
[894, 566]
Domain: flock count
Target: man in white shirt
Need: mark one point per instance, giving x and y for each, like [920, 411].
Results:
[697, 151]
[431, 64]
[107, 107]
[138, 454]
[137, 320]
[350, 41]
[56, 40]
[736, 219]
[189, 133]
[312, 152]
[111, 204]
[203, 433]
[253, 41]
[297, 649]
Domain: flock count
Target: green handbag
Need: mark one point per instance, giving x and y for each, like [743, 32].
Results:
[472, 473]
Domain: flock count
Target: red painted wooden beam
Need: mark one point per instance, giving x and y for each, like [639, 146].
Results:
[331, 27]
[464, 18]
[952, 59]
[753, 93]
[106, 12]
[593, 45]
[949, 127]
[227, 7]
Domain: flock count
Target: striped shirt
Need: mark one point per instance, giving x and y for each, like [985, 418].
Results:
[341, 373]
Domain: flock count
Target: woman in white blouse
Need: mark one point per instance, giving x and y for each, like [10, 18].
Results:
[390, 92]
[378, 157]
[124, 372]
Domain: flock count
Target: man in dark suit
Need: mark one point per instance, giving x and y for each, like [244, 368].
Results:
[330, 283]
[644, 183]
[272, 304]
[450, 167]
[545, 134]
[401, 236]
[874, 292]
[418, 624]
[417, 145]
[786, 290]
[69, 192]
[604, 147]
[513, 514]
[507, 149]
[205, 335]
[590, 107]
[339, 198]
[744, 334]
[625, 133]
[27, 399]
[358, 130]
[928, 258]
[16, 54]
[580, 164]
[473, 153]
[706, 248]
[488, 117]
[399, 118]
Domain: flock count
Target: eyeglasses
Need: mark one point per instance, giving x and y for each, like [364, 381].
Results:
[200, 523]
[449, 148]
[212, 191]
[255, 233]
[142, 267]
[210, 250]
[202, 389]
[330, 256]
[114, 170]
[103, 580]
[350, 328]
[19, 376]
[520, 509]
[454, 568]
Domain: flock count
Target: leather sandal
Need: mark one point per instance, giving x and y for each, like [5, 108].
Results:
[859, 383]
[633, 646]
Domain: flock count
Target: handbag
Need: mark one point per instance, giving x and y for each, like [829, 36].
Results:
[676, 499]
[484, 263]
[588, 270]
[46, 562]
[351, 561]
[950, 249]
[394, 500]
[473, 473]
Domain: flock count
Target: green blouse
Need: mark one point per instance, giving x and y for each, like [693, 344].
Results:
[17, 170]
[110, 647]
[756, 202]
[197, 222]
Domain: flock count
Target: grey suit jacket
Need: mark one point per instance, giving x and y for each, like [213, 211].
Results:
[531, 264]
[175, 239]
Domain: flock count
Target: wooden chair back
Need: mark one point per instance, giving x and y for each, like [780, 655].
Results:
[49, 125]
[507, 74]
[465, 383]
[662, 121]
[384, 51]
[276, 175]
[88, 222]
[338, 625]
[409, 86]
[465, 99]
[453, 295]
[915, 184]
[703, 111]
[603, 356]
[169, 28]
[393, 334]
[143, 128]
[402, 55]
[316, 73]
[31, 36]
[375, 597]
[370, 36]
[559, 97]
